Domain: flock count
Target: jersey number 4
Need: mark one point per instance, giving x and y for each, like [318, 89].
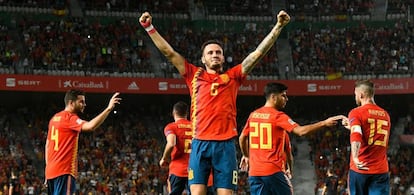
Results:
[55, 137]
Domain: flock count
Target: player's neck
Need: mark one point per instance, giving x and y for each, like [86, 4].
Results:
[368, 101]
[214, 71]
[69, 109]
[178, 118]
[270, 105]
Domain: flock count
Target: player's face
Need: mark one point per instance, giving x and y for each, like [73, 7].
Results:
[213, 57]
[79, 104]
[357, 97]
[281, 100]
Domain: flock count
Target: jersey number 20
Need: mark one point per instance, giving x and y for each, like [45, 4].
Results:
[264, 132]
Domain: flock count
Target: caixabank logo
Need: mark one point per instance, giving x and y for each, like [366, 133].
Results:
[83, 84]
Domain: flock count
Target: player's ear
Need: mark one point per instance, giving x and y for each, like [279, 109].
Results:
[273, 96]
[203, 61]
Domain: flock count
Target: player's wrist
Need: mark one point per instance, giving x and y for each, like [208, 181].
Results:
[150, 29]
[279, 26]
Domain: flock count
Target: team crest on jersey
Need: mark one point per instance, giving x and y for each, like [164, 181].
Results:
[169, 131]
[225, 78]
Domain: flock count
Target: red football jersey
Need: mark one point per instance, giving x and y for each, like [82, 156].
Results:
[180, 154]
[213, 101]
[266, 128]
[62, 145]
[375, 124]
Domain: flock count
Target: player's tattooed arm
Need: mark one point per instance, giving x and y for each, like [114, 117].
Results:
[355, 147]
[253, 58]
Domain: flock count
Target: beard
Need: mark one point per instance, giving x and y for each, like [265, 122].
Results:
[217, 67]
[79, 109]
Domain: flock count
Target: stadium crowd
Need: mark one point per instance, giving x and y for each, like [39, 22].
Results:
[360, 49]
[329, 7]
[79, 46]
[87, 46]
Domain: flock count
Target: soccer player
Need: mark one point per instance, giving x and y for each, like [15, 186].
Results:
[178, 147]
[331, 183]
[213, 92]
[262, 142]
[62, 141]
[370, 130]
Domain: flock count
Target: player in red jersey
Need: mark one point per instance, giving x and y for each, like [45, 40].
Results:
[263, 139]
[62, 141]
[213, 92]
[370, 127]
[178, 147]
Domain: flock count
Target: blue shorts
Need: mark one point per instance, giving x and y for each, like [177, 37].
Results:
[64, 184]
[277, 184]
[219, 156]
[372, 184]
[177, 184]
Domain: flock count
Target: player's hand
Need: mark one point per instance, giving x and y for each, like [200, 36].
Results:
[345, 123]
[244, 163]
[145, 20]
[360, 165]
[163, 162]
[114, 100]
[283, 18]
[289, 173]
[332, 121]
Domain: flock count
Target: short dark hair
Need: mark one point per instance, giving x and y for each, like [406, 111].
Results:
[73, 94]
[181, 108]
[367, 87]
[274, 88]
[212, 41]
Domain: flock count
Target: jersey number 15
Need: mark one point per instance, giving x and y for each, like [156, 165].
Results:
[375, 128]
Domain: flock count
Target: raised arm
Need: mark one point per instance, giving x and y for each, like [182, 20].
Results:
[165, 48]
[253, 58]
[98, 120]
